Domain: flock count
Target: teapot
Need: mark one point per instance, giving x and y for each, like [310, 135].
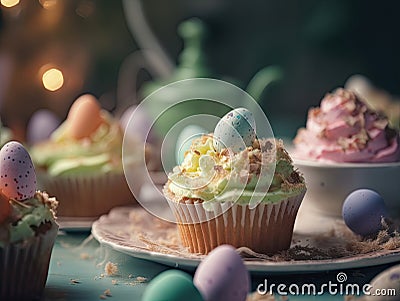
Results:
[192, 63]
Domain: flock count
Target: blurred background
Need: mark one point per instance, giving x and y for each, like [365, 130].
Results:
[52, 51]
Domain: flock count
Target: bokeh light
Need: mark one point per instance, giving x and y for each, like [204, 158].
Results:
[9, 3]
[53, 79]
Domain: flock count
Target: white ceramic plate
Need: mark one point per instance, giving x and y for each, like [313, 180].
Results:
[75, 224]
[122, 228]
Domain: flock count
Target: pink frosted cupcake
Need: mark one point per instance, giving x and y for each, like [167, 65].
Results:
[347, 146]
[27, 227]
[344, 129]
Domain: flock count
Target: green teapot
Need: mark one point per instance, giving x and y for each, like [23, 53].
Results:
[193, 64]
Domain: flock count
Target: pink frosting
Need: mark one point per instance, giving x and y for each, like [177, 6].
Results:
[344, 129]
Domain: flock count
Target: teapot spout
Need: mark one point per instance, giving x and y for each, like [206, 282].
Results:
[262, 79]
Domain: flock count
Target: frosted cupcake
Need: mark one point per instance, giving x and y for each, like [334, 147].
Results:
[27, 227]
[211, 192]
[347, 146]
[344, 129]
[81, 163]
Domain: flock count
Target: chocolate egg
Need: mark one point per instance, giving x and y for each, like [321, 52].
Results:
[84, 117]
[222, 276]
[363, 210]
[172, 285]
[385, 286]
[236, 130]
[17, 173]
[41, 125]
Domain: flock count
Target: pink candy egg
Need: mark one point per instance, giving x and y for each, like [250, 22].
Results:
[17, 173]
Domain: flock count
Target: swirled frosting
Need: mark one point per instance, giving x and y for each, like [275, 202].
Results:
[208, 175]
[344, 129]
[27, 217]
[64, 155]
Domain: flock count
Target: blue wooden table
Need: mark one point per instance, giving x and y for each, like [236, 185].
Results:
[77, 272]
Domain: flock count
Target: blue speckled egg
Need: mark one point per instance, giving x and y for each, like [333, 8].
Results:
[236, 130]
[363, 210]
[222, 276]
[172, 285]
[184, 140]
[385, 286]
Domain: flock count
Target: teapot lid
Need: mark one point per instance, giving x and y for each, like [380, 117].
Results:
[192, 60]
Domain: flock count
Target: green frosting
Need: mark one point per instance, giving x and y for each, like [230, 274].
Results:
[26, 216]
[99, 153]
[218, 177]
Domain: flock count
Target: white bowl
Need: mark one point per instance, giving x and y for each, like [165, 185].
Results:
[329, 184]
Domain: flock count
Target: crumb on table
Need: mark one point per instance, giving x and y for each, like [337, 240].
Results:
[111, 269]
[84, 256]
[74, 281]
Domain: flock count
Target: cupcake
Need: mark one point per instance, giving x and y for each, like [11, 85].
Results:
[345, 129]
[212, 192]
[27, 227]
[81, 162]
[347, 146]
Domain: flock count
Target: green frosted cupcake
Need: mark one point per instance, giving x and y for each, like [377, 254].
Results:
[211, 192]
[28, 227]
[81, 163]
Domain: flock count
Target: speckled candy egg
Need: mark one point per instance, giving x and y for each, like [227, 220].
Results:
[236, 130]
[172, 285]
[363, 210]
[41, 125]
[388, 284]
[185, 139]
[17, 173]
[222, 276]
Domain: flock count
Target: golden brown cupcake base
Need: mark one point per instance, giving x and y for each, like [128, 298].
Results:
[25, 266]
[266, 229]
[88, 196]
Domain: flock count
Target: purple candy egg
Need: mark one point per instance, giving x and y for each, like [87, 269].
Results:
[222, 276]
[363, 211]
[41, 125]
[142, 123]
[17, 173]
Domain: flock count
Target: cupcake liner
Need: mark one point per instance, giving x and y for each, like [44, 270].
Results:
[266, 229]
[88, 196]
[24, 266]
